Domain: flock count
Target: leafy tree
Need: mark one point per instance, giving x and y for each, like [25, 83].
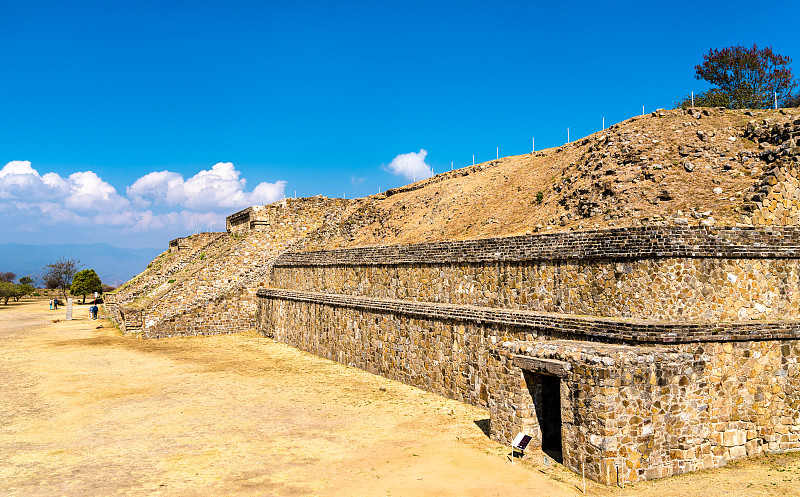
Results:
[7, 276]
[747, 77]
[21, 290]
[60, 273]
[711, 98]
[26, 280]
[6, 291]
[791, 101]
[84, 282]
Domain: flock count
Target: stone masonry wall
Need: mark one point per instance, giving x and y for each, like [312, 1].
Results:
[777, 193]
[447, 357]
[667, 273]
[680, 379]
[654, 411]
[297, 215]
[232, 312]
[700, 290]
[665, 410]
[206, 284]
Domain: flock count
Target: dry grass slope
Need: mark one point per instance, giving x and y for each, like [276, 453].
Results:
[633, 173]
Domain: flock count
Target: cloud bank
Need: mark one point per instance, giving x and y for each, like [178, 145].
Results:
[411, 166]
[160, 201]
[219, 188]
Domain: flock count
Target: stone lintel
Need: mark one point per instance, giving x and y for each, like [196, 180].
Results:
[539, 365]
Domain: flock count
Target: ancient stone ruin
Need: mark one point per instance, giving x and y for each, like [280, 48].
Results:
[636, 351]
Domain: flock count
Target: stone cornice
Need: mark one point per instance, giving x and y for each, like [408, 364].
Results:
[585, 327]
[620, 243]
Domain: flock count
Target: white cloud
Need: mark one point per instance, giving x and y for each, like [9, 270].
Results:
[412, 166]
[158, 204]
[217, 189]
[80, 191]
[18, 180]
[87, 192]
[161, 187]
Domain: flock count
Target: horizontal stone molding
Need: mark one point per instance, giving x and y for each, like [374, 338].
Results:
[625, 330]
[620, 243]
[539, 365]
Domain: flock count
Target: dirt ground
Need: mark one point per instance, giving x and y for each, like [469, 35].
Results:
[87, 411]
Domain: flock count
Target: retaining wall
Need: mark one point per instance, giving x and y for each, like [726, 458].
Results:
[680, 379]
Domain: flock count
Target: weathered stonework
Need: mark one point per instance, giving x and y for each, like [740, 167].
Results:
[777, 193]
[206, 283]
[643, 352]
[640, 352]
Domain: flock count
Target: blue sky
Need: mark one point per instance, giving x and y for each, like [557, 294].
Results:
[136, 122]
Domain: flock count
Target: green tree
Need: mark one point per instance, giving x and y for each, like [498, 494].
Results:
[746, 77]
[791, 100]
[60, 273]
[26, 280]
[21, 290]
[6, 291]
[711, 98]
[84, 282]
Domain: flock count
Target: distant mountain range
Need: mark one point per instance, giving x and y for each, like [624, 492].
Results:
[114, 265]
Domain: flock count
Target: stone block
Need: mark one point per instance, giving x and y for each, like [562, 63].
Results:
[732, 438]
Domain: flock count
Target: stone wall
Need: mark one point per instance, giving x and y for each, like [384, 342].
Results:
[665, 410]
[777, 193]
[206, 283]
[703, 290]
[444, 356]
[297, 215]
[680, 379]
[232, 312]
[698, 274]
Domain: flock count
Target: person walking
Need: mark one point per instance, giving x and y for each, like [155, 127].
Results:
[51, 304]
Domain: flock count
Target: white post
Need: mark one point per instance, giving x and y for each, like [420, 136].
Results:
[776, 100]
[451, 165]
[498, 153]
[604, 122]
[692, 99]
[567, 135]
[473, 159]
[533, 145]
[415, 177]
[583, 476]
[642, 109]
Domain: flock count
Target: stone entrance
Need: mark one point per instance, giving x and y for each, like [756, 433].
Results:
[548, 410]
[543, 378]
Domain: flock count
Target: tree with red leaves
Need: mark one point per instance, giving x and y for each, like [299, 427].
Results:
[747, 77]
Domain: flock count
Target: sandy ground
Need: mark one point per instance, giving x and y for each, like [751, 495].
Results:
[87, 411]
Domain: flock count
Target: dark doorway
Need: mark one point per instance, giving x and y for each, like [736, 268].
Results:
[549, 413]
